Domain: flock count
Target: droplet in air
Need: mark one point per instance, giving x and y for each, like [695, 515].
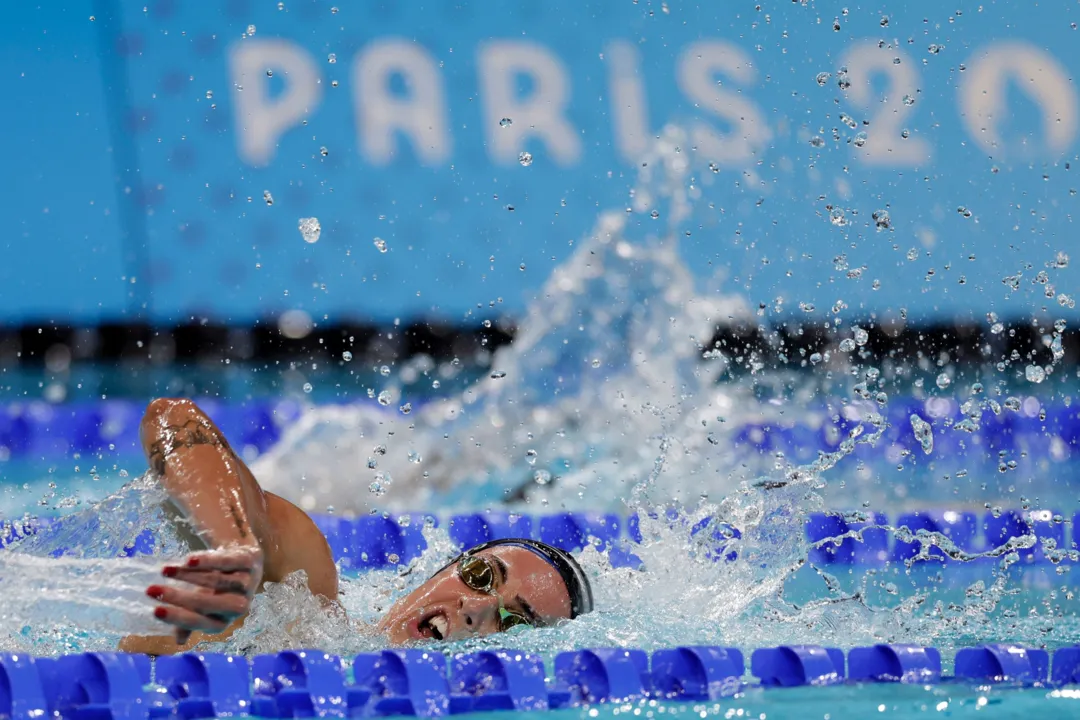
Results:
[250, 29]
[310, 229]
[498, 374]
[909, 100]
[334, 10]
[521, 267]
[822, 78]
[541, 477]
[859, 140]
[406, 408]
[847, 345]
[817, 141]
[924, 433]
[1034, 373]
[209, 94]
[307, 387]
[655, 214]
[331, 58]
[943, 381]
[596, 362]
[380, 244]
[530, 456]
[323, 151]
[861, 336]
[881, 219]
[414, 457]
[268, 197]
[506, 122]
[935, 48]
[384, 397]
[384, 371]
[525, 158]
[281, 6]
[838, 217]
[269, 72]
[347, 356]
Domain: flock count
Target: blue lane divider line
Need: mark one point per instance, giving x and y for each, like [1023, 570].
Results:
[795, 665]
[205, 685]
[421, 683]
[600, 675]
[697, 673]
[959, 527]
[1066, 668]
[1002, 663]
[895, 663]
[497, 680]
[299, 683]
[96, 685]
[21, 692]
[403, 682]
[383, 541]
[38, 428]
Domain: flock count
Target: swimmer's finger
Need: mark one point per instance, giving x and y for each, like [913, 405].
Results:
[187, 620]
[225, 560]
[233, 582]
[222, 607]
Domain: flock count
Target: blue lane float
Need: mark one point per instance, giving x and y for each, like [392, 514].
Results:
[1003, 663]
[41, 429]
[895, 663]
[796, 665]
[423, 683]
[376, 542]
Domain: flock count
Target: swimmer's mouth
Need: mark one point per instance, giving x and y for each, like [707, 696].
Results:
[434, 626]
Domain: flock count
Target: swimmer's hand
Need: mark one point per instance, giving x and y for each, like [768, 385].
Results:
[217, 589]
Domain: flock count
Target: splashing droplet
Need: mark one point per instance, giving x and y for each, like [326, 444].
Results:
[310, 229]
[924, 433]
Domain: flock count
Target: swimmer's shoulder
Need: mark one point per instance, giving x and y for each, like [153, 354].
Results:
[299, 545]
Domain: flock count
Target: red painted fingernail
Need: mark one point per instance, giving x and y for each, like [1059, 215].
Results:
[193, 562]
[169, 572]
[155, 592]
[160, 613]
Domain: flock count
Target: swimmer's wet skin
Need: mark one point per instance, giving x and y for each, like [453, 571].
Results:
[253, 537]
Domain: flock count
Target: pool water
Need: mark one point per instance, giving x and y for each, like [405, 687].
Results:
[611, 398]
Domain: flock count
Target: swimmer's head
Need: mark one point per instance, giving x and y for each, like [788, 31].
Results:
[491, 588]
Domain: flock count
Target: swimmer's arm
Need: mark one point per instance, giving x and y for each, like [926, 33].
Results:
[262, 537]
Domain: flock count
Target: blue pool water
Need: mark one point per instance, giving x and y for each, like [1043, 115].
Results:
[611, 400]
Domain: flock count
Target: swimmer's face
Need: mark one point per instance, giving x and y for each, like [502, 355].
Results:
[523, 585]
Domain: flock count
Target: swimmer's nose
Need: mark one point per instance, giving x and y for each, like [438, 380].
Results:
[479, 613]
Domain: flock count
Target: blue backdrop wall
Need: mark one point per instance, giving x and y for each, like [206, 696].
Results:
[143, 142]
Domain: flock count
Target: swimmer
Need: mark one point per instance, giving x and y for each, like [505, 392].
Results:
[248, 537]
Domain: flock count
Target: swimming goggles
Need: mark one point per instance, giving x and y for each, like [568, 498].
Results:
[478, 573]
